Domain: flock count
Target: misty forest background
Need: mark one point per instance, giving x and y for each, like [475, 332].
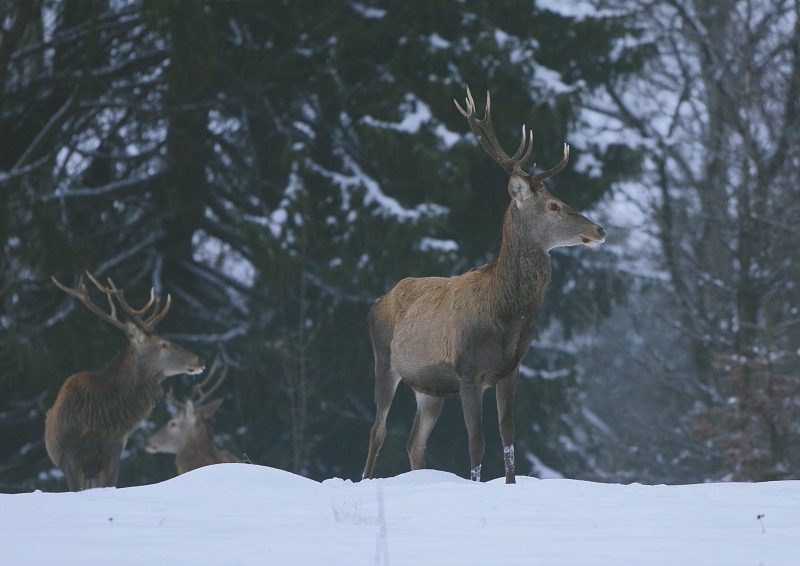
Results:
[277, 165]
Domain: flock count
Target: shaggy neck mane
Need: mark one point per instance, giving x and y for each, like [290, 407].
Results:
[203, 435]
[521, 270]
[199, 450]
[128, 393]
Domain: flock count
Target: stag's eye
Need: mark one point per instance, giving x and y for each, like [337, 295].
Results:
[553, 206]
[164, 346]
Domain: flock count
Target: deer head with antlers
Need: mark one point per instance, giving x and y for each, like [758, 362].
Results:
[94, 412]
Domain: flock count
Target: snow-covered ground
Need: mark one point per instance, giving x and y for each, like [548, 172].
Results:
[246, 514]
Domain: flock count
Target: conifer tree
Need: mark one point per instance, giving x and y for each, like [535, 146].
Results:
[276, 167]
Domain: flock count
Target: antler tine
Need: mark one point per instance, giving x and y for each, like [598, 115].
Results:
[100, 286]
[149, 304]
[472, 104]
[156, 317]
[120, 294]
[198, 395]
[520, 159]
[68, 290]
[82, 294]
[199, 386]
[470, 107]
[535, 180]
[174, 401]
[108, 292]
[147, 325]
[484, 132]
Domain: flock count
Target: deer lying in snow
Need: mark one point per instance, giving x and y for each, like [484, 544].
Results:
[464, 334]
[188, 435]
[89, 423]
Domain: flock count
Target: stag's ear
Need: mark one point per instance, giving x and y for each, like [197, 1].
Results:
[189, 408]
[135, 334]
[210, 408]
[519, 189]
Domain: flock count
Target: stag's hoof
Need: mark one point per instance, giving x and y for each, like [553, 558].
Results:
[475, 473]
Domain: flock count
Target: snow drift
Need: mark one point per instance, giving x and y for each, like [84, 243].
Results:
[246, 514]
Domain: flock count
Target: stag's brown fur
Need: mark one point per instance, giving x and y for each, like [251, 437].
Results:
[94, 412]
[201, 450]
[463, 334]
[190, 437]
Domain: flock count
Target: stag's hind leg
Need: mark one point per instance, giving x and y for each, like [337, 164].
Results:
[386, 380]
[428, 410]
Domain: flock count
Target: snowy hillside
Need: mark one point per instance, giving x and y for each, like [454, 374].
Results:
[246, 514]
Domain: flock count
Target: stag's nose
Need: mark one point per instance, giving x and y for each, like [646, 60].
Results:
[197, 368]
[601, 232]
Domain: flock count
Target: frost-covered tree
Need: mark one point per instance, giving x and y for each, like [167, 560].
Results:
[714, 115]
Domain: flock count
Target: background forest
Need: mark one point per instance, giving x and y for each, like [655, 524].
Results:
[277, 165]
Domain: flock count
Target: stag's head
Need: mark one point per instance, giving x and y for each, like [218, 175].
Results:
[152, 353]
[547, 219]
[174, 435]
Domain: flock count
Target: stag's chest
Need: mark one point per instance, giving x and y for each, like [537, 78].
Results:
[496, 349]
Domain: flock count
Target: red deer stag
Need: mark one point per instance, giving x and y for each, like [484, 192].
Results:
[89, 423]
[188, 435]
[461, 335]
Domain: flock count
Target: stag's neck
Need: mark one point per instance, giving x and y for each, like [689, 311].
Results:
[129, 390]
[520, 272]
[130, 369]
[199, 450]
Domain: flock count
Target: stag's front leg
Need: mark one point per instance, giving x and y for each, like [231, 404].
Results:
[506, 390]
[471, 398]
[110, 476]
[76, 480]
[428, 410]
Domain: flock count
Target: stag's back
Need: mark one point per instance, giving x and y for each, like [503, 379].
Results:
[415, 297]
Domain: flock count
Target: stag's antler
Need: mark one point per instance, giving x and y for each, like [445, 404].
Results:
[484, 132]
[198, 395]
[148, 325]
[82, 295]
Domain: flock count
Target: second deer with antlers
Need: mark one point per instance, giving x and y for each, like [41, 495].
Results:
[464, 334]
[188, 435]
[89, 423]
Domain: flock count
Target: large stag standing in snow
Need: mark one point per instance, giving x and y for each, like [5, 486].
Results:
[94, 412]
[461, 335]
[188, 435]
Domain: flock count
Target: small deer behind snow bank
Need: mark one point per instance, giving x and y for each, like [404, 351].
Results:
[188, 435]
